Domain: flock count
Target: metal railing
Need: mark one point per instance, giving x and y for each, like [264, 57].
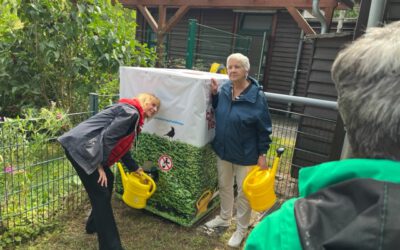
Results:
[38, 183]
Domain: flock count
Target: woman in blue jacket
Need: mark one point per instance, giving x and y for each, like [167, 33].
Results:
[243, 127]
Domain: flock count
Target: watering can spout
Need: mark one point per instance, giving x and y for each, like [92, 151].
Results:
[275, 163]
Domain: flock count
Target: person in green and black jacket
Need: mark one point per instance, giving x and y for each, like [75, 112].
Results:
[352, 203]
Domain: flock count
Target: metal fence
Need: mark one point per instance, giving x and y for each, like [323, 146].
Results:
[198, 46]
[38, 184]
[286, 133]
[207, 45]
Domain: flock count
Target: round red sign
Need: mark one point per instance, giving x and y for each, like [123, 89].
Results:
[165, 163]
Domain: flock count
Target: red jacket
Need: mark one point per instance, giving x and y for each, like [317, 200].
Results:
[125, 143]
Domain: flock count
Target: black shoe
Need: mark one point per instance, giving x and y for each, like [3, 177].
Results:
[90, 231]
[90, 226]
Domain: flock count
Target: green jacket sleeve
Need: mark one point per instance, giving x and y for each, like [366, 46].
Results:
[276, 231]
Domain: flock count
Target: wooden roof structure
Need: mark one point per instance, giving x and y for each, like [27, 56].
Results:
[163, 26]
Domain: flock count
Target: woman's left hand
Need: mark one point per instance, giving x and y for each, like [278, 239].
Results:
[214, 86]
[102, 176]
[262, 162]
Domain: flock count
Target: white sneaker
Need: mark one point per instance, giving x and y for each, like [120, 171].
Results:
[218, 222]
[236, 238]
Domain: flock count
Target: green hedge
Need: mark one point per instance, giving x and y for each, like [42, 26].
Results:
[179, 190]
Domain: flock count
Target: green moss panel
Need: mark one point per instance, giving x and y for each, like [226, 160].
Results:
[184, 192]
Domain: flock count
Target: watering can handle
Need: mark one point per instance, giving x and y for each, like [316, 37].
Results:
[153, 184]
[122, 172]
[251, 173]
[208, 192]
[143, 176]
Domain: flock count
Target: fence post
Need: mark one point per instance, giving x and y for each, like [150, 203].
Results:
[191, 43]
[94, 103]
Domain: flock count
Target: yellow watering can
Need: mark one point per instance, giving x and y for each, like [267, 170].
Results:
[258, 186]
[203, 201]
[218, 68]
[137, 188]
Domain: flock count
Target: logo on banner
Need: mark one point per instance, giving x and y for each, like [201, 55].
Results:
[165, 163]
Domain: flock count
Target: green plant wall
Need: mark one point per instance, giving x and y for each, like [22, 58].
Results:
[184, 192]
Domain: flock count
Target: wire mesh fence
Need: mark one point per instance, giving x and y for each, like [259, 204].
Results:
[288, 132]
[198, 46]
[38, 183]
[211, 45]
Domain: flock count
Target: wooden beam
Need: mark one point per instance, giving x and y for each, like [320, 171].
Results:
[303, 24]
[149, 18]
[162, 17]
[348, 3]
[176, 18]
[329, 16]
[162, 27]
[362, 20]
[271, 44]
[245, 4]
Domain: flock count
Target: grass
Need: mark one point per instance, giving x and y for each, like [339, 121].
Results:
[138, 229]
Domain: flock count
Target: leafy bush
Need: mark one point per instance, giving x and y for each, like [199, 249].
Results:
[62, 50]
[35, 183]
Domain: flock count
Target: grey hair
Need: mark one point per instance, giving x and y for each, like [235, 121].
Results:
[367, 78]
[244, 60]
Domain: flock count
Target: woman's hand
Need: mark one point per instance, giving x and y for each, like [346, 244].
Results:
[102, 176]
[139, 171]
[214, 86]
[262, 162]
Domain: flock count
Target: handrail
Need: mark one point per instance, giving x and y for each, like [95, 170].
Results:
[301, 100]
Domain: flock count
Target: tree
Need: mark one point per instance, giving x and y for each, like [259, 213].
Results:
[62, 50]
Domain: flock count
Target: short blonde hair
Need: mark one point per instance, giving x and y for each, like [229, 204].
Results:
[147, 98]
[244, 60]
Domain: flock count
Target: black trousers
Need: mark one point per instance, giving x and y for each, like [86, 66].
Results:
[101, 218]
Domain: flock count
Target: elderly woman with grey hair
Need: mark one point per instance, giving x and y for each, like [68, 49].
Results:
[243, 127]
[352, 203]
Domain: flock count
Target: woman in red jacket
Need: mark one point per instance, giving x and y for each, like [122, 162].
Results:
[95, 145]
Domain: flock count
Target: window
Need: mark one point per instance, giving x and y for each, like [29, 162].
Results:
[254, 22]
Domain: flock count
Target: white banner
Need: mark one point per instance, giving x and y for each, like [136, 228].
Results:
[185, 114]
